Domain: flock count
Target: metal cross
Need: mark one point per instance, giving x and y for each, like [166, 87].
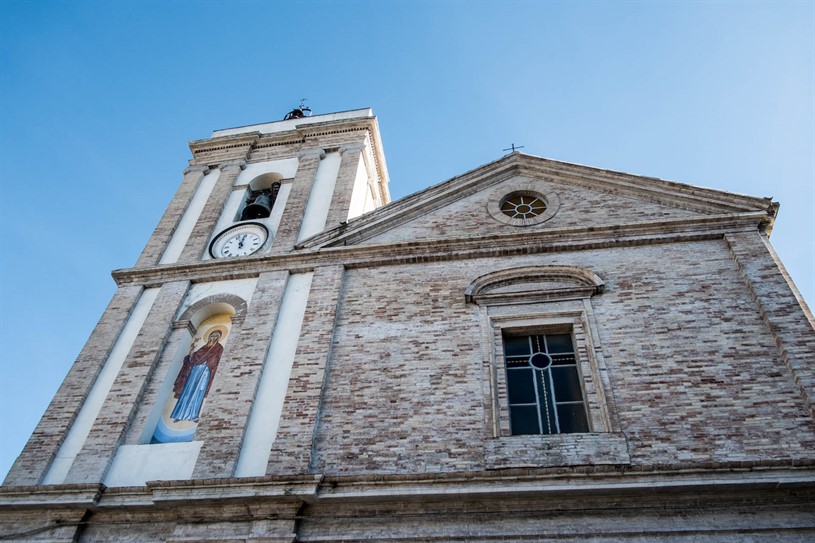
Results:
[513, 148]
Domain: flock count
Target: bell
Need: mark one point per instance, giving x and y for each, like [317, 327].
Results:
[259, 209]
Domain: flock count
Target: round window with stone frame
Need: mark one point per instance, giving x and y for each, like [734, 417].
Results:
[523, 202]
[523, 205]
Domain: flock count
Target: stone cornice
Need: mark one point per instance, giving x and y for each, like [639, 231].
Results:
[212, 151]
[662, 191]
[577, 481]
[645, 481]
[78, 495]
[352, 256]
[678, 195]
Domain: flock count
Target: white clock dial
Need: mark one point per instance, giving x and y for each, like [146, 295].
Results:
[241, 240]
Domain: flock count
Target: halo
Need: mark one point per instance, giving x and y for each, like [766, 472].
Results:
[215, 328]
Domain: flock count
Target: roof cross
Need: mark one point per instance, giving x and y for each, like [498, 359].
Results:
[513, 148]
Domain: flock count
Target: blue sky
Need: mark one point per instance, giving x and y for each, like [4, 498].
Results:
[98, 101]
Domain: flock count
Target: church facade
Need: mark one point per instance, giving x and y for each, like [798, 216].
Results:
[530, 351]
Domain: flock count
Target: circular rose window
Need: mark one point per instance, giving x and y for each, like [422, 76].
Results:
[522, 206]
[523, 203]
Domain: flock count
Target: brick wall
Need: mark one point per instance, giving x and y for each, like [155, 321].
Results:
[579, 207]
[693, 367]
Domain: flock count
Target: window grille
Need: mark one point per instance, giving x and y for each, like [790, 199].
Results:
[543, 385]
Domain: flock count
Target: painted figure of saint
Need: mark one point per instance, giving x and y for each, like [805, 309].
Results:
[195, 378]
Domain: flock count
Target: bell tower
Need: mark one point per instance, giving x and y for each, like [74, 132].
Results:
[185, 374]
[294, 177]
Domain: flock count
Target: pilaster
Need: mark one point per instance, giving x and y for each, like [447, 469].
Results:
[781, 307]
[292, 218]
[181, 331]
[42, 447]
[344, 188]
[175, 211]
[201, 233]
[293, 446]
[127, 391]
[229, 403]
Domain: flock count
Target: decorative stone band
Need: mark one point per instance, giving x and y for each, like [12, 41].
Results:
[450, 249]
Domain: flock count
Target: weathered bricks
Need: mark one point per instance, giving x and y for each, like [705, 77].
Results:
[236, 383]
[203, 229]
[125, 395]
[169, 221]
[32, 464]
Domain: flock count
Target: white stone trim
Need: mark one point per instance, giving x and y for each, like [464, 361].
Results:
[267, 408]
[99, 392]
[191, 214]
[319, 199]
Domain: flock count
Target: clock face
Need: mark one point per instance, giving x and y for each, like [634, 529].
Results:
[240, 240]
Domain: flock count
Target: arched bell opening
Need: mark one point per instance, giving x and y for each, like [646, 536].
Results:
[260, 197]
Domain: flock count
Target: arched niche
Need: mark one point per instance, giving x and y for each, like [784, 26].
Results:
[204, 330]
[212, 305]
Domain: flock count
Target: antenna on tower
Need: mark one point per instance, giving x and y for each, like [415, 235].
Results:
[299, 112]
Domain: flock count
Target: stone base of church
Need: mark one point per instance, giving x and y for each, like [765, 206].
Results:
[597, 504]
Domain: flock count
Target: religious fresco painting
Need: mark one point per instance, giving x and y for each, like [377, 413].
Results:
[180, 417]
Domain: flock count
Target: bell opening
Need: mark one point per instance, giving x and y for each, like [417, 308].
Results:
[259, 203]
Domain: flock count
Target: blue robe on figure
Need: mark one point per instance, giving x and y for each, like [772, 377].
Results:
[194, 381]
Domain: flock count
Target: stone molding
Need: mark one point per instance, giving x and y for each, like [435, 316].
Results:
[449, 249]
[236, 302]
[578, 282]
[307, 153]
[528, 187]
[651, 190]
[202, 168]
[239, 162]
[315, 488]
[351, 147]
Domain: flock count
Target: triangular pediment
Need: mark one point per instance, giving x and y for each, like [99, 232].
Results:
[575, 197]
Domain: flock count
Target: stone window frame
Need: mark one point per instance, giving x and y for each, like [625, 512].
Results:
[519, 307]
[529, 187]
[575, 322]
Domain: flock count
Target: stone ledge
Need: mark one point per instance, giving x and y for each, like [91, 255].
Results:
[445, 249]
[556, 450]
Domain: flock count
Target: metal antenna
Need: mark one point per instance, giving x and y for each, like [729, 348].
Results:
[513, 148]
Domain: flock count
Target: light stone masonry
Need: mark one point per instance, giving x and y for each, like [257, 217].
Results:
[236, 382]
[694, 356]
[298, 198]
[117, 412]
[32, 464]
[172, 216]
[197, 244]
[341, 203]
